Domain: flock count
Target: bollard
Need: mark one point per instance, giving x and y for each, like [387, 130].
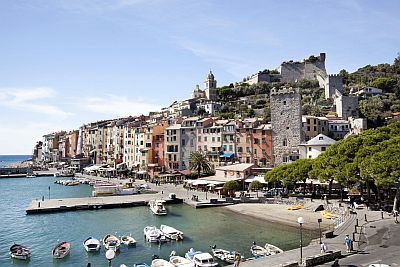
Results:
[382, 215]
[357, 222]
[365, 217]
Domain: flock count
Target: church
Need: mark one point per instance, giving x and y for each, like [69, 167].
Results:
[210, 89]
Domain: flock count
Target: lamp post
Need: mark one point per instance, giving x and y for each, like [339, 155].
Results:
[300, 220]
[110, 254]
[319, 226]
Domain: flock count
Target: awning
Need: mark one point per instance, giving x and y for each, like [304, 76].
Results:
[227, 155]
[121, 165]
[256, 178]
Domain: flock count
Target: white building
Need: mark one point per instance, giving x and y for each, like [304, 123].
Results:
[314, 147]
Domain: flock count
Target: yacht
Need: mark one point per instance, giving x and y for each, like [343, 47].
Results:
[158, 207]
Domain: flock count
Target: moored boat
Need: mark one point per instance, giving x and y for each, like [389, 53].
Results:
[111, 242]
[225, 255]
[128, 240]
[30, 176]
[19, 252]
[61, 250]
[272, 249]
[171, 232]
[141, 265]
[91, 244]
[179, 261]
[161, 263]
[152, 234]
[158, 207]
[258, 251]
[200, 259]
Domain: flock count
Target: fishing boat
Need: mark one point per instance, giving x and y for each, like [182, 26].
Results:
[72, 183]
[128, 240]
[258, 251]
[225, 255]
[200, 259]
[161, 263]
[152, 234]
[19, 252]
[92, 244]
[141, 265]
[111, 242]
[171, 232]
[61, 250]
[179, 261]
[272, 249]
[158, 207]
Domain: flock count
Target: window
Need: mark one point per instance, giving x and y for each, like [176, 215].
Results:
[309, 156]
[263, 140]
[285, 143]
[230, 148]
[254, 131]
[315, 128]
[264, 152]
[255, 151]
[255, 140]
[247, 149]
[213, 139]
[309, 149]
[240, 149]
[218, 139]
[323, 148]
[183, 142]
[284, 102]
[199, 139]
[308, 128]
[247, 140]
[238, 140]
[205, 138]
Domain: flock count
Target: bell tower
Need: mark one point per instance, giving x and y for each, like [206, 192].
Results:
[210, 87]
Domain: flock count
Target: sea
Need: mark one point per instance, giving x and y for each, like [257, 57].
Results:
[202, 228]
[7, 159]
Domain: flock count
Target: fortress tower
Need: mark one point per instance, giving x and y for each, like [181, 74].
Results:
[286, 124]
[210, 87]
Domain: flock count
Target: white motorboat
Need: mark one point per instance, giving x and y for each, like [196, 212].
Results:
[179, 261]
[171, 232]
[152, 234]
[258, 251]
[92, 244]
[200, 259]
[161, 263]
[225, 255]
[128, 240]
[272, 249]
[19, 252]
[158, 207]
[111, 242]
[30, 176]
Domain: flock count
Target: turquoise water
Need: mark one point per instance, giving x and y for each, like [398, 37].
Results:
[201, 227]
[7, 159]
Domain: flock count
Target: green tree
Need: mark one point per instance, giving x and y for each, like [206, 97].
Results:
[198, 162]
[386, 84]
[231, 186]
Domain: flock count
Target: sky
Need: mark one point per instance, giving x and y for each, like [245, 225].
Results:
[65, 63]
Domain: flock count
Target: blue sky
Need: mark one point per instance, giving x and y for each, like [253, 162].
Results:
[69, 62]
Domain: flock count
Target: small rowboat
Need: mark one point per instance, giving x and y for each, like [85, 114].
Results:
[91, 244]
[19, 252]
[328, 215]
[61, 250]
[128, 240]
[295, 207]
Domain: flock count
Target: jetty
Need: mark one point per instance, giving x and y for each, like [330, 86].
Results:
[93, 203]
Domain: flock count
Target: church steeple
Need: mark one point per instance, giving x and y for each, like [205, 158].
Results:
[210, 87]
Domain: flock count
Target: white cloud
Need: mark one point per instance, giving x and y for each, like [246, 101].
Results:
[33, 100]
[117, 106]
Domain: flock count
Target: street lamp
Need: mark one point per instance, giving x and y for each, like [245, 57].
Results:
[110, 254]
[300, 220]
[319, 226]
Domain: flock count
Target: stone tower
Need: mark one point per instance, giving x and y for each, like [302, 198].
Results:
[286, 124]
[210, 87]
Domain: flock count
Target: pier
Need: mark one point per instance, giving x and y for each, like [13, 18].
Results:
[93, 203]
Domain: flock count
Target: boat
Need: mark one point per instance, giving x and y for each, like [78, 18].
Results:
[295, 207]
[272, 249]
[73, 183]
[157, 207]
[61, 250]
[152, 234]
[19, 252]
[328, 215]
[30, 176]
[92, 244]
[200, 259]
[225, 255]
[179, 261]
[161, 263]
[128, 240]
[111, 242]
[171, 232]
[258, 251]
[141, 265]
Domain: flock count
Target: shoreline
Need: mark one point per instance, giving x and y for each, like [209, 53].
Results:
[278, 213]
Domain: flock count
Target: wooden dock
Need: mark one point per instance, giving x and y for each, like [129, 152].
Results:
[93, 203]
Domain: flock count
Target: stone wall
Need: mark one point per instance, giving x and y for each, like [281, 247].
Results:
[286, 124]
[346, 106]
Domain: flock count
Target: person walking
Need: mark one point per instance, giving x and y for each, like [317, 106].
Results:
[323, 248]
[347, 242]
[237, 259]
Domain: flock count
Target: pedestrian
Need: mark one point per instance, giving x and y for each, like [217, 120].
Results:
[237, 259]
[336, 263]
[396, 214]
[323, 248]
[347, 242]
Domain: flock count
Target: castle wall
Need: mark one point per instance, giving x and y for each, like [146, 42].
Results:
[286, 125]
[346, 106]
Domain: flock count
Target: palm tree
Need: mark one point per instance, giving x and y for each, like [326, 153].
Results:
[198, 162]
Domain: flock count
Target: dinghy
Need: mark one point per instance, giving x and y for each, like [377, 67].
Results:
[91, 244]
[61, 250]
[19, 252]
